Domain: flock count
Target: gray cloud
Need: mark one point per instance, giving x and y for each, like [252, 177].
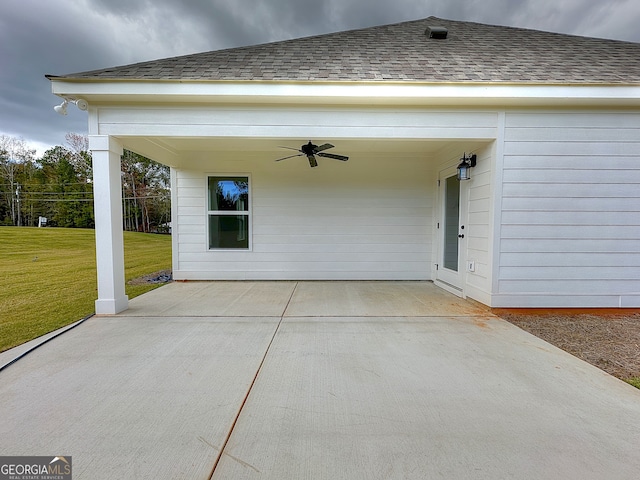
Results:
[65, 36]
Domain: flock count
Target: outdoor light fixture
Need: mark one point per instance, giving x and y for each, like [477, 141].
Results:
[79, 102]
[464, 169]
[62, 108]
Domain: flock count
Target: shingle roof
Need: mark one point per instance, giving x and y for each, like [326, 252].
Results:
[401, 52]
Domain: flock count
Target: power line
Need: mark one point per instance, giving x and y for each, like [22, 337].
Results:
[62, 200]
[71, 192]
[91, 199]
[49, 184]
[57, 193]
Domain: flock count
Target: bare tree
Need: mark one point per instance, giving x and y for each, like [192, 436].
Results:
[14, 153]
[80, 155]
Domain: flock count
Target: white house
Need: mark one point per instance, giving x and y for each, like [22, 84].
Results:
[549, 218]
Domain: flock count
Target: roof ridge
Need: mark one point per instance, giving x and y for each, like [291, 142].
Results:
[535, 31]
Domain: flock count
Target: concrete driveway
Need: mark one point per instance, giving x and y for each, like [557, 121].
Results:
[315, 380]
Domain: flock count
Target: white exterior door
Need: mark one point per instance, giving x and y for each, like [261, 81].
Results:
[451, 231]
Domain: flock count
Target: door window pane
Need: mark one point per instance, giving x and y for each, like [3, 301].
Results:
[451, 223]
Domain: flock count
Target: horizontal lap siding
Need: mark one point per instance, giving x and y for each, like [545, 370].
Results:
[571, 209]
[479, 224]
[300, 122]
[370, 218]
[190, 224]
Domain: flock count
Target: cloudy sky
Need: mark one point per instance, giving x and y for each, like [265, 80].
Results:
[39, 37]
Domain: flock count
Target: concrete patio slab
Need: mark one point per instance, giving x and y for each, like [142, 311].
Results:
[13, 354]
[437, 398]
[133, 397]
[377, 299]
[219, 299]
[353, 380]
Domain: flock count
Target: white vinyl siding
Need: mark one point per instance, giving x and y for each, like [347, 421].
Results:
[372, 220]
[478, 282]
[301, 122]
[570, 210]
[369, 218]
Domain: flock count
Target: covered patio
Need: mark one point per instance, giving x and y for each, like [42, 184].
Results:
[323, 380]
[543, 221]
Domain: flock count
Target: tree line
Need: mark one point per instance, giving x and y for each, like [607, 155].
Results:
[59, 187]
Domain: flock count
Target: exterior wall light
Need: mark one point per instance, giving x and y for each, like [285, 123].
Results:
[62, 108]
[464, 169]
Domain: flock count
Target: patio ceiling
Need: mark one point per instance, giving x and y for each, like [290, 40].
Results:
[175, 151]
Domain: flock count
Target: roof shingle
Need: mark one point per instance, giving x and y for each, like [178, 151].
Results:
[401, 52]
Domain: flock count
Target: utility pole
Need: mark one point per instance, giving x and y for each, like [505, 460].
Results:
[13, 200]
[18, 204]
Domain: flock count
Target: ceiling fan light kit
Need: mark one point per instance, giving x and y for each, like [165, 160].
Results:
[310, 151]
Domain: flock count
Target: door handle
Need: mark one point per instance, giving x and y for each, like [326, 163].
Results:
[461, 235]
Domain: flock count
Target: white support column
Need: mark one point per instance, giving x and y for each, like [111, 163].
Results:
[107, 194]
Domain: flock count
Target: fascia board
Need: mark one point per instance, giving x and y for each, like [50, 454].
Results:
[347, 93]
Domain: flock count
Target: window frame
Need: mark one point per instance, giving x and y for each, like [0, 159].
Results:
[247, 213]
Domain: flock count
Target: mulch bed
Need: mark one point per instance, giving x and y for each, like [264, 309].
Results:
[163, 276]
[608, 339]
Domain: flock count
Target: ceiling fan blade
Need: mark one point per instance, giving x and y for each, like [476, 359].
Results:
[290, 156]
[325, 146]
[289, 148]
[334, 156]
[312, 161]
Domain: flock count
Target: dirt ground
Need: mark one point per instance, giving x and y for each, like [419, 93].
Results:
[608, 339]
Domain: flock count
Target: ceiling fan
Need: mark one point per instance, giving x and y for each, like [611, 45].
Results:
[311, 150]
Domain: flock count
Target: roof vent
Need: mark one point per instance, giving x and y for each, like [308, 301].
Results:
[436, 32]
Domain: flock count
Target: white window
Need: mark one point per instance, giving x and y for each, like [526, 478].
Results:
[228, 212]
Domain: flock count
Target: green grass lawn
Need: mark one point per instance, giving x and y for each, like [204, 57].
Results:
[634, 381]
[48, 277]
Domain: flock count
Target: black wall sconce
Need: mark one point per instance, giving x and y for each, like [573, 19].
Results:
[464, 169]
